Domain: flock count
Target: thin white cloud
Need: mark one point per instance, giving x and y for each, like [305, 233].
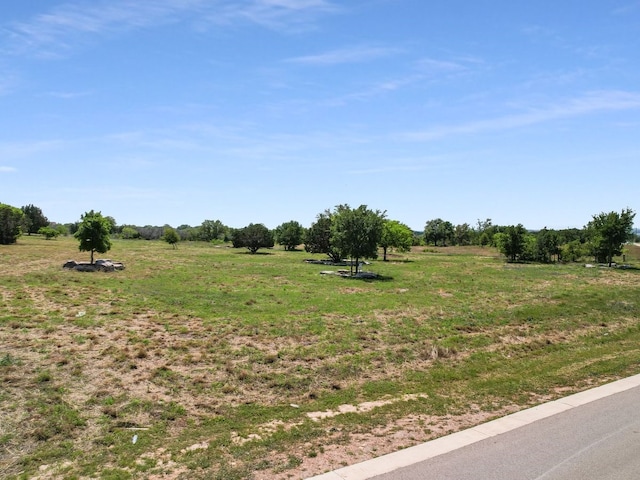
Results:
[425, 69]
[66, 26]
[381, 88]
[290, 15]
[433, 66]
[5, 169]
[593, 102]
[62, 28]
[356, 54]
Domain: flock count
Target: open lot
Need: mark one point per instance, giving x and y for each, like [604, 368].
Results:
[208, 362]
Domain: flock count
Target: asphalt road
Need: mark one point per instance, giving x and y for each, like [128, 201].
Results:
[596, 441]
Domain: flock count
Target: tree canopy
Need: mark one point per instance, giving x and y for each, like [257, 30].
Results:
[511, 242]
[289, 234]
[438, 230]
[33, 219]
[93, 233]
[113, 225]
[10, 223]
[212, 230]
[395, 235]
[129, 232]
[254, 236]
[462, 234]
[547, 245]
[171, 237]
[357, 232]
[608, 232]
[317, 238]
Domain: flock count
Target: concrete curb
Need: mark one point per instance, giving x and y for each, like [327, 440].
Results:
[393, 461]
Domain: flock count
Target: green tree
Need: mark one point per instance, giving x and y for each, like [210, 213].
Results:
[254, 236]
[62, 229]
[113, 225]
[289, 234]
[128, 232]
[547, 245]
[187, 232]
[72, 228]
[150, 232]
[511, 242]
[212, 231]
[171, 237]
[317, 238]
[93, 233]
[448, 232]
[431, 231]
[10, 224]
[357, 232]
[573, 251]
[438, 230]
[462, 234]
[484, 239]
[608, 232]
[33, 219]
[570, 234]
[484, 233]
[48, 232]
[395, 235]
[529, 251]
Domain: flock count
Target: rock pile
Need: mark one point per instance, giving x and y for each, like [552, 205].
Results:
[101, 265]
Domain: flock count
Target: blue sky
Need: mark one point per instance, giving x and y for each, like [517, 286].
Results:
[264, 111]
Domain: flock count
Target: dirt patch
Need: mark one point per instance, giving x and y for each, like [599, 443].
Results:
[352, 290]
[360, 408]
[403, 433]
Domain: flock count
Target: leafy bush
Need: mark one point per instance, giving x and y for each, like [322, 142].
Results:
[49, 232]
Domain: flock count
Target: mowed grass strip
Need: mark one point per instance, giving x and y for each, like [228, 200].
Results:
[209, 362]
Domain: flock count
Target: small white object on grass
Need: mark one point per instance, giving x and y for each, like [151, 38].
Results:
[134, 439]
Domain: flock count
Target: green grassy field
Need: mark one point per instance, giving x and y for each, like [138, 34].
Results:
[208, 362]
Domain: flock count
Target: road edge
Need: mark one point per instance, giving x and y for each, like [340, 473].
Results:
[439, 446]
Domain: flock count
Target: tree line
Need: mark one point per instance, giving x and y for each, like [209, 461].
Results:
[345, 232]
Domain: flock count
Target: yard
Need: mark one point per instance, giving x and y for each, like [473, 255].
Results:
[208, 362]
